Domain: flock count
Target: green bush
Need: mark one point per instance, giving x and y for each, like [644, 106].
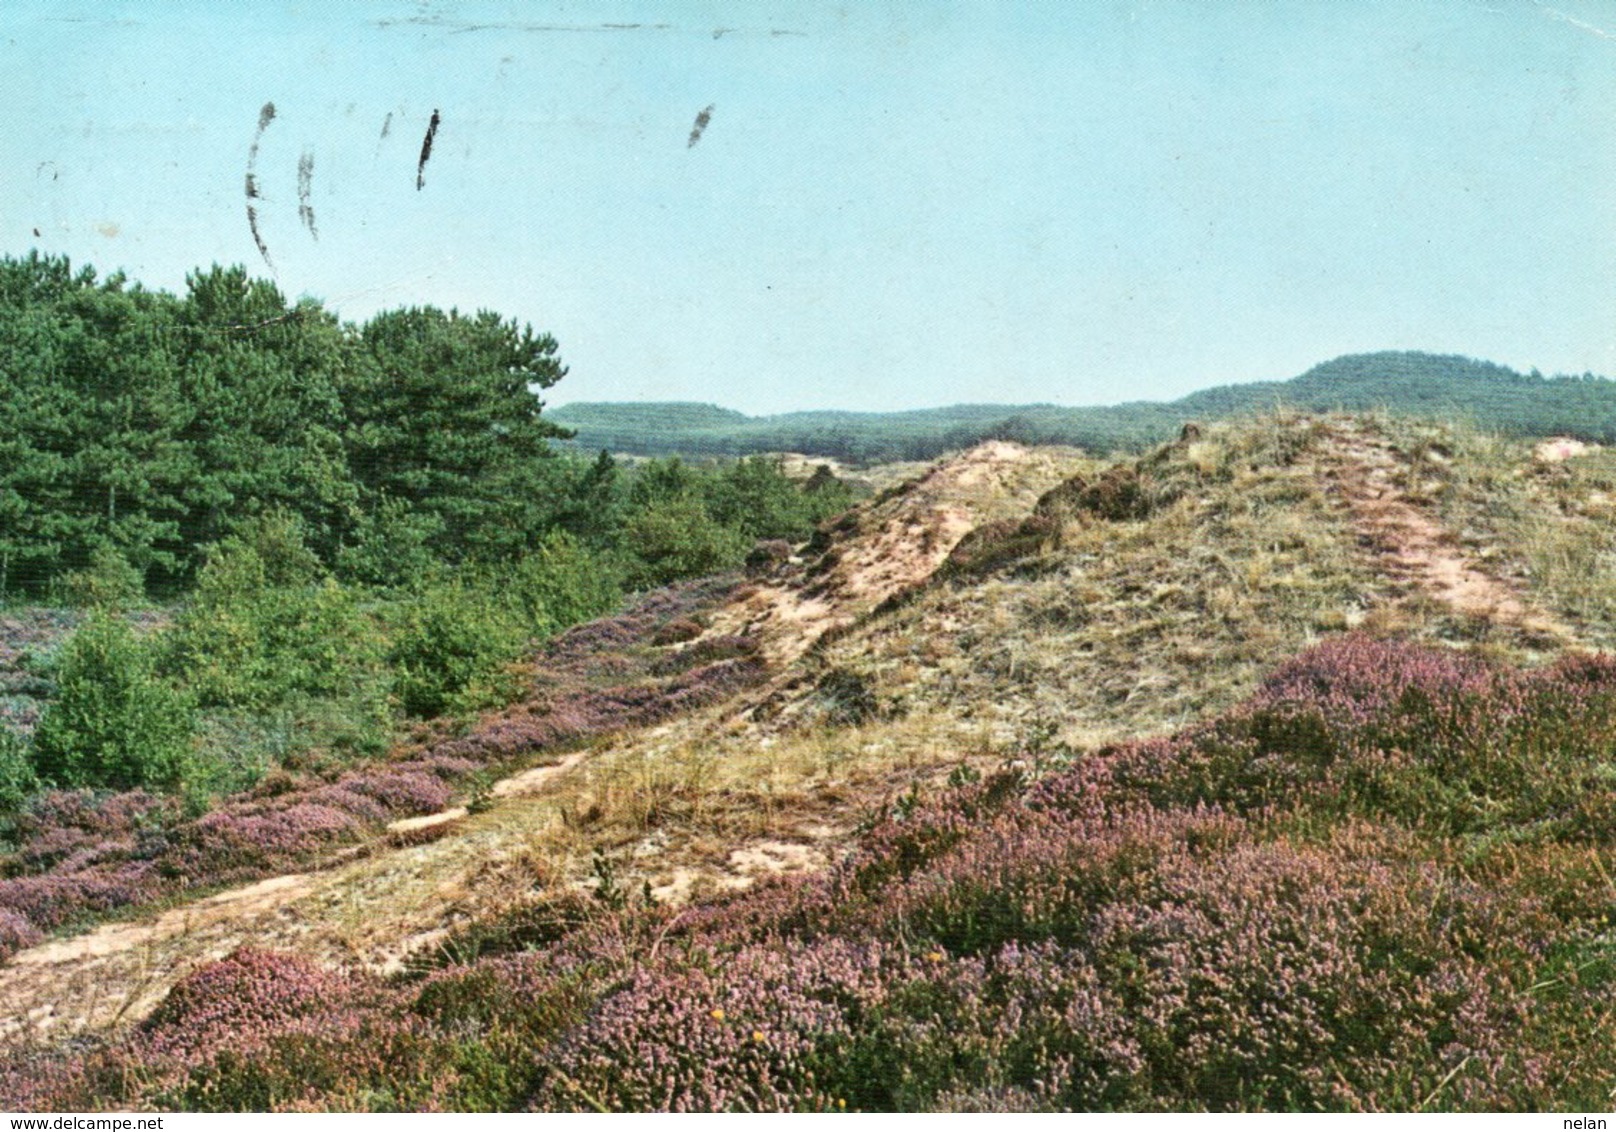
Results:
[267, 550]
[17, 778]
[561, 584]
[450, 647]
[677, 538]
[114, 723]
[391, 546]
[263, 627]
[109, 582]
[755, 497]
[314, 641]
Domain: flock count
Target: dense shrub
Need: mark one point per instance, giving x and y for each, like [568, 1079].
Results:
[558, 585]
[114, 722]
[17, 777]
[755, 497]
[108, 582]
[450, 647]
[677, 538]
[263, 626]
[390, 546]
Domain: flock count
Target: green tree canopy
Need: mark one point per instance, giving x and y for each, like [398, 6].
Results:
[443, 413]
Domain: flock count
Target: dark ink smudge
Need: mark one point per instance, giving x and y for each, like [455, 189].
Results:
[387, 126]
[701, 124]
[305, 185]
[426, 152]
[265, 117]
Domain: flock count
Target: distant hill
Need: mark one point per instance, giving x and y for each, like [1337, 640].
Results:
[1407, 382]
[683, 415]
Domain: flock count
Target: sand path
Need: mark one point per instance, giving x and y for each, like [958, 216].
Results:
[1411, 545]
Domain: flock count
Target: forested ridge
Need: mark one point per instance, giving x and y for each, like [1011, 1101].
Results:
[1405, 382]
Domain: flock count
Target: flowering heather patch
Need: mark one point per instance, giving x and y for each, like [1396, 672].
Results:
[704, 652]
[607, 675]
[581, 650]
[16, 932]
[86, 854]
[376, 795]
[448, 768]
[241, 840]
[581, 714]
[401, 791]
[342, 1060]
[242, 997]
[73, 829]
[1229, 919]
[49, 900]
[342, 796]
[1179, 972]
[749, 1038]
[1420, 737]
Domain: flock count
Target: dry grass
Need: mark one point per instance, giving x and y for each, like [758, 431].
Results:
[1546, 527]
[669, 811]
[1131, 627]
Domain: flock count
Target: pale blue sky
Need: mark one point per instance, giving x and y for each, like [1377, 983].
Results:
[894, 205]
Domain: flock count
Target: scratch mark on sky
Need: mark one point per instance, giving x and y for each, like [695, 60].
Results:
[1556, 14]
[462, 27]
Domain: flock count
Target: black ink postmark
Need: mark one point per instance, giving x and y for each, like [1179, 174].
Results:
[426, 151]
[305, 186]
[701, 125]
[265, 117]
